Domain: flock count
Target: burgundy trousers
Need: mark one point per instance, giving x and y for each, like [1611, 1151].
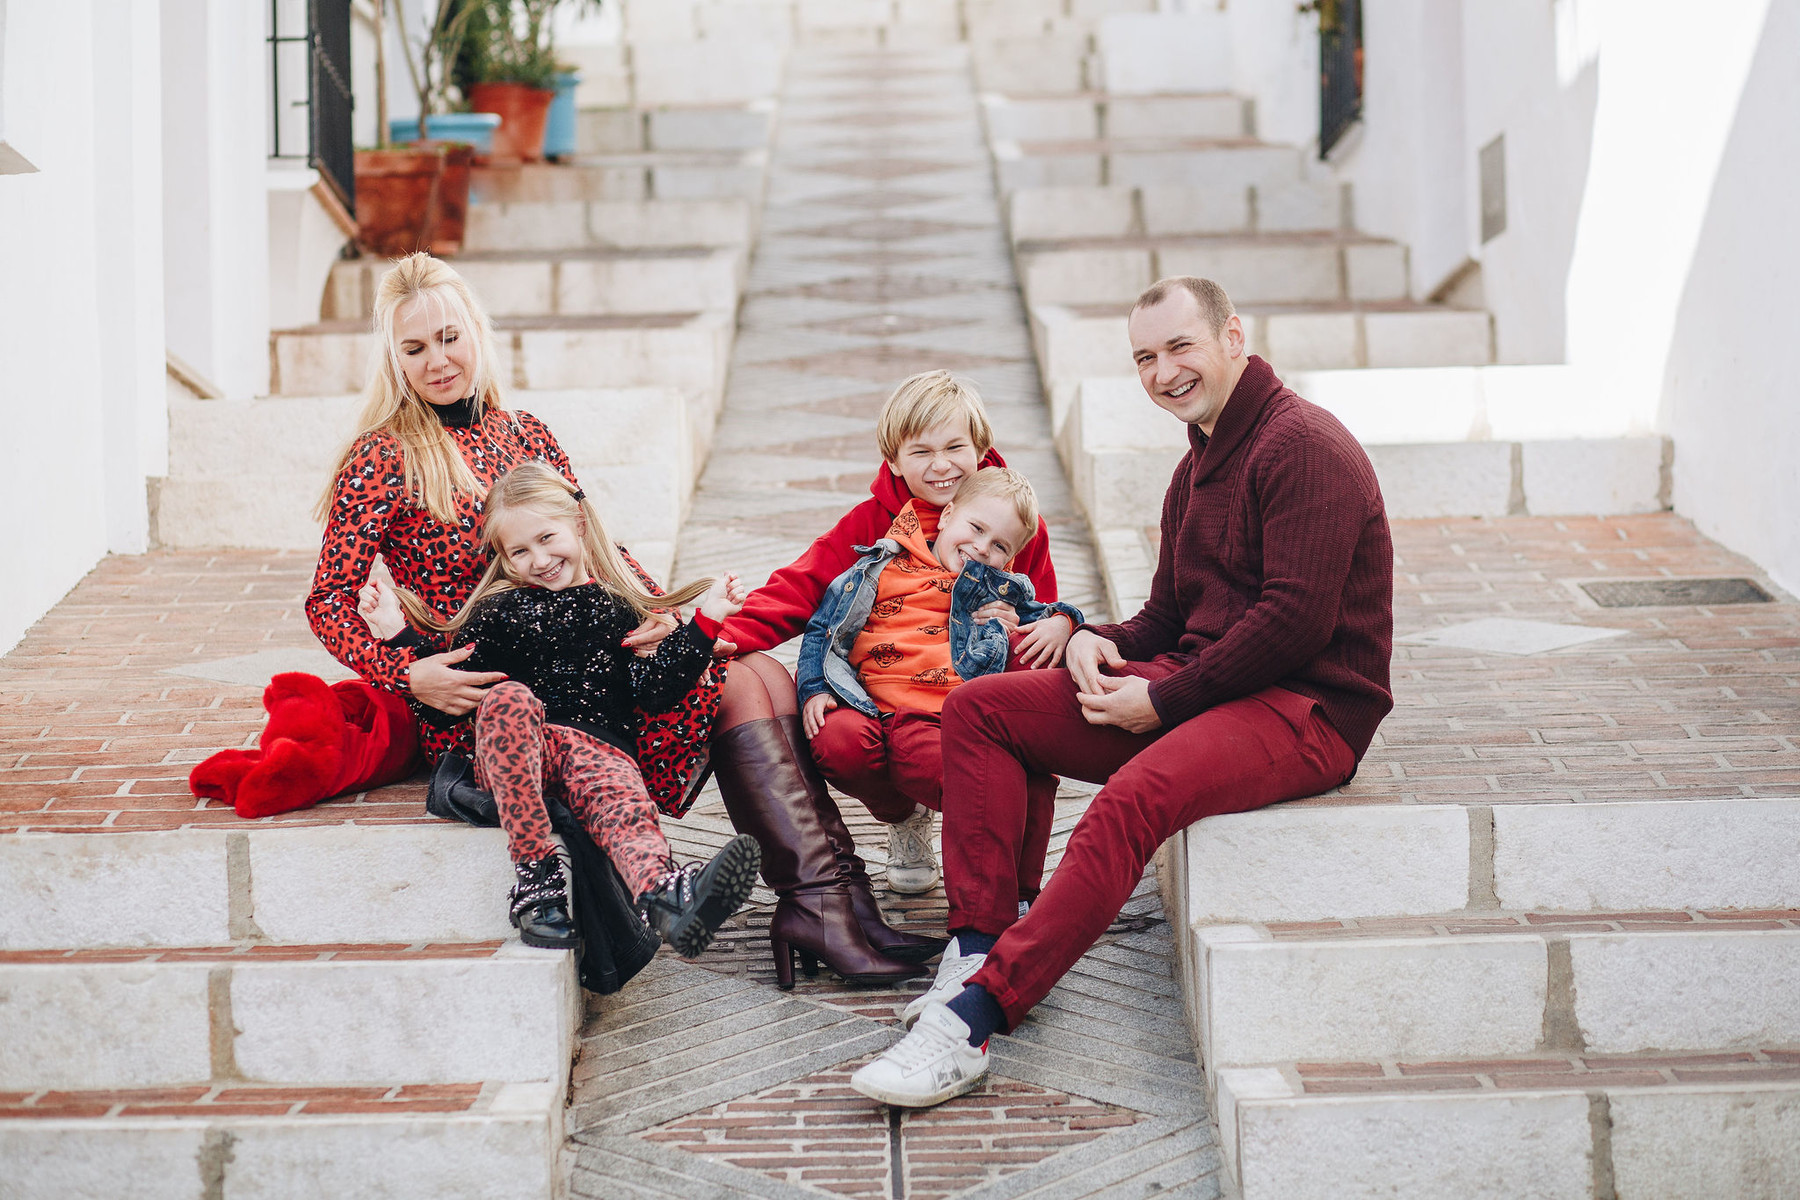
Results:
[1244, 754]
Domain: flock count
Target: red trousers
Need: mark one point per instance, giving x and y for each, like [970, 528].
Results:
[896, 762]
[1271, 746]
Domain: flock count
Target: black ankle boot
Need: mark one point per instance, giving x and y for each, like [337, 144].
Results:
[540, 906]
[688, 905]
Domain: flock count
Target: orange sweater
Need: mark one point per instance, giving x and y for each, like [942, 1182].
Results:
[903, 653]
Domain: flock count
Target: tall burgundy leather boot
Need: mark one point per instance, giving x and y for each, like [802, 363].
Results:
[768, 794]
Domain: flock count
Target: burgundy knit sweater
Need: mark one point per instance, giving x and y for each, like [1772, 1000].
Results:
[1276, 567]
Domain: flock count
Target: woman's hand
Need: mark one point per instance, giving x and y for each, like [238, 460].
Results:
[1042, 644]
[998, 610]
[812, 717]
[436, 681]
[644, 640]
[725, 599]
[379, 605]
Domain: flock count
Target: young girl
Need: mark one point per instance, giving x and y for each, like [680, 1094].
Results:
[552, 613]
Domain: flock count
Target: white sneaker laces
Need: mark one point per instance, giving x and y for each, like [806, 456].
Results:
[926, 1043]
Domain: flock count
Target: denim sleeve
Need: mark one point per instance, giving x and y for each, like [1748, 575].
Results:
[1031, 611]
[809, 672]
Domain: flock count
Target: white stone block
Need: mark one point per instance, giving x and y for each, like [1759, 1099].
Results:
[1428, 338]
[1073, 347]
[1032, 66]
[605, 75]
[837, 14]
[644, 224]
[1123, 451]
[547, 225]
[1472, 1147]
[1375, 271]
[744, 21]
[648, 282]
[1741, 1141]
[1041, 119]
[1702, 854]
[266, 437]
[1438, 997]
[510, 288]
[103, 1025]
[740, 178]
[322, 364]
[1174, 116]
[674, 74]
[1299, 341]
[1686, 991]
[89, 890]
[1467, 479]
[92, 1160]
[1014, 170]
[1144, 53]
[1232, 1087]
[484, 1157]
[1260, 272]
[1084, 276]
[1077, 212]
[660, 20]
[435, 1021]
[1127, 565]
[1314, 864]
[743, 127]
[689, 355]
[609, 131]
[1610, 475]
[400, 883]
[1179, 209]
[1299, 207]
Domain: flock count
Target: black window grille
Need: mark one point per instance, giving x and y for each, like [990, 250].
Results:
[1340, 69]
[309, 76]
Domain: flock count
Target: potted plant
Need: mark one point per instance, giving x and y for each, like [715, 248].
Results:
[515, 72]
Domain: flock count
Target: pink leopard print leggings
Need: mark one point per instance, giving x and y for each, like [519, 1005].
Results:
[517, 756]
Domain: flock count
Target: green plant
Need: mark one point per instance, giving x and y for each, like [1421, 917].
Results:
[515, 43]
[428, 58]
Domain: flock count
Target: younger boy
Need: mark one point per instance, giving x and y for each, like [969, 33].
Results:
[903, 626]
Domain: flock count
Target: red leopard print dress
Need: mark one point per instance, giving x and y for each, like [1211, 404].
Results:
[372, 514]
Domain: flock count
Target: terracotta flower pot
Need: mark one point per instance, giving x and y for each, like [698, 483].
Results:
[452, 199]
[523, 110]
[412, 198]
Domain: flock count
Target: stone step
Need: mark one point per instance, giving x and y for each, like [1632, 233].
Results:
[686, 350]
[608, 224]
[675, 130]
[1494, 986]
[1139, 162]
[1692, 1126]
[1100, 115]
[646, 175]
[247, 472]
[247, 1140]
[737, 59]
[311, 1015]
[1057, 62]
[1175, 210]
[593, 281]
[1296, 269]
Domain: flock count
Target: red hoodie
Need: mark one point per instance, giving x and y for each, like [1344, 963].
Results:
[780, 608]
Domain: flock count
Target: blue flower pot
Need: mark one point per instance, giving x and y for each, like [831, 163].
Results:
[559, 126]
[475, 128]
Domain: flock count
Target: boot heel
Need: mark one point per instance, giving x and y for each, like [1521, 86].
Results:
[809, 965]
[784, 964]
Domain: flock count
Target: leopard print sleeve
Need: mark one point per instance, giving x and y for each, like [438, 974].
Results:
[541, 443]
[369, 490]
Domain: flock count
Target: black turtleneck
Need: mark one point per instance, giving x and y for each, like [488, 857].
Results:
[460, 415]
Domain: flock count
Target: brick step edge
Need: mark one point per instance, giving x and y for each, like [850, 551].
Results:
[1675, 1140]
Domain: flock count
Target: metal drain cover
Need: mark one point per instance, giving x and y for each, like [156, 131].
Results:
[1638, 593]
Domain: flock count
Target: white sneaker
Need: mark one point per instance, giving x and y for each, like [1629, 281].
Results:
[954, 970]
[928, 1066]
[912, 865]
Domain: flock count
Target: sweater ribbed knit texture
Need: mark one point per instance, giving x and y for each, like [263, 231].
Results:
[1276, 567]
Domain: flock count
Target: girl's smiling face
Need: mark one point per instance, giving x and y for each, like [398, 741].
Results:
[935, 462]
[540, 550]
[437, 355]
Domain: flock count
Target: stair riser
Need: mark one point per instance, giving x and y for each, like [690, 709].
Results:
[608, 224]
[491, 1156]
[1233, 166]
[571, 287]
[631, 131]
[1256, 274]
[1082, 118]
[78, 1025]
[733, 177]
[1172, 210]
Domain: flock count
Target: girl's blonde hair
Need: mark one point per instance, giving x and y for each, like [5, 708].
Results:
[435, 471]
[536, 487]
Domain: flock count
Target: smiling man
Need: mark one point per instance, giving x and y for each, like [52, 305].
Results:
[1256, 672]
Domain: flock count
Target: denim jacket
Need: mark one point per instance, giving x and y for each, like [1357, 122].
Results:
[975, 649]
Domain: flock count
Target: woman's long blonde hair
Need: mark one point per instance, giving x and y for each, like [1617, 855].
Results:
[538, 488]
[435, 470]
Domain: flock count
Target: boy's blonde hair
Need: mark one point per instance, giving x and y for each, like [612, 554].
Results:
[539, 488]
[925, 401]
[1008, 484]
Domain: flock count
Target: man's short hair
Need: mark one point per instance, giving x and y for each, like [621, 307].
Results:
[1007, 484]
[927, 400]
[1214, 304]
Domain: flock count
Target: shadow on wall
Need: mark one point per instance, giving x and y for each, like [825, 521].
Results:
[1729, 394]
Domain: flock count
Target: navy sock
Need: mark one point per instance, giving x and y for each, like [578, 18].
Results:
[980, 1011]
[973, 941]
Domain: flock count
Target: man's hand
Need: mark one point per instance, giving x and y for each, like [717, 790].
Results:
[1042, 644]
[998, 610]
[1123, 701]
[644, 640]
[1086, 654]
[812, 717]
[436, 682]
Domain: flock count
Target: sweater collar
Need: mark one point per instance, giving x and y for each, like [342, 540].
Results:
[1243, 411]
[459, 415]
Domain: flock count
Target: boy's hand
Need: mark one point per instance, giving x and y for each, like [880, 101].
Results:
[725, 598]
[1043, 642]
[379, 605]
[812, 717]
[998, 610]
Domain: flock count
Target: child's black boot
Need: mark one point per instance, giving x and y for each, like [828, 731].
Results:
[540, 906]
[687, 906]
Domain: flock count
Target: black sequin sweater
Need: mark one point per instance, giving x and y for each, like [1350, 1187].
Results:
[565, 646]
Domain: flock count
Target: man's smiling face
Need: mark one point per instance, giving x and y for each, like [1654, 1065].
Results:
[1185, 366]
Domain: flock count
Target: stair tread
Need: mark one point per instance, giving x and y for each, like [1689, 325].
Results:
[1408, 307]
[253, 952]
[1160, 145]
[208, 1100]
[1541, 1072]
[1464, 924]
[1306, 237]
[524, 323]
